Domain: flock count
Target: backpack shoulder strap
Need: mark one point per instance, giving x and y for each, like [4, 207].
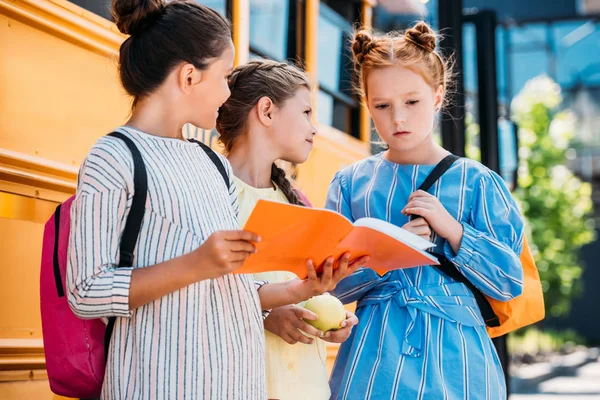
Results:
[138, 204]
[215, 159]
[485, 308]
[134, 219]
[438, 171]
[446, 266]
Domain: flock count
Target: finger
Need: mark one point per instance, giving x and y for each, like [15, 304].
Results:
[307, 328]
[240, 245]
[327, 271]
[289, 339]
[413, 204]
[420, 203]
[303, 313]
[310, 270]
[233, 265]
[339, 336]
[359, 262]
[421, 230]
[342, 268]
[423, 212]
[415, 222]
[241, 235]
[420, 193]
[350, 320]
[300, 337]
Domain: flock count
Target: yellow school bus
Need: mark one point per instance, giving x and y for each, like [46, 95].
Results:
[59, 92]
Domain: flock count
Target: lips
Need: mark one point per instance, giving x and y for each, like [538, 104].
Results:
[309, 141]
[401, 133]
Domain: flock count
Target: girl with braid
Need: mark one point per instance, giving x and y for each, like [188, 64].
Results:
[268, 118]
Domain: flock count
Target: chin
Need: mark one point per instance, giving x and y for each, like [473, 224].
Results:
[402, 147]
[299, 158]
[208, 124]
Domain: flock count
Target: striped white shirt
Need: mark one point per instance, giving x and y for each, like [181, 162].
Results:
[204, 341]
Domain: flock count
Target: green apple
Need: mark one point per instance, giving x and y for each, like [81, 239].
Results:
[330, 310]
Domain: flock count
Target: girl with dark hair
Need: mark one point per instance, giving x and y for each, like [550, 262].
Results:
[185, 327]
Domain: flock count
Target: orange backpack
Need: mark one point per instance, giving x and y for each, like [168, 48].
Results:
[525, 309]
[500, 317]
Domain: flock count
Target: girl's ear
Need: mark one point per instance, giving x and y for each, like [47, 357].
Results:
[265, 109]
[189, 76]
[438, 98]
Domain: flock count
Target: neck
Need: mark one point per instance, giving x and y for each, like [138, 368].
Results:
[426, 153]
[156, 116]
[251, 160]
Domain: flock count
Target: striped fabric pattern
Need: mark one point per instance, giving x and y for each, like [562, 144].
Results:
[420, 334]
[204, 341]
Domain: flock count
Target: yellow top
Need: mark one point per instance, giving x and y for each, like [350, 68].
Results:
[293, 371]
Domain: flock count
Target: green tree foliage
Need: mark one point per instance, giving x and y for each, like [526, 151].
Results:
[555, 203]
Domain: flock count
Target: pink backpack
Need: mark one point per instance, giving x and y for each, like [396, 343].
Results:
[76, 349]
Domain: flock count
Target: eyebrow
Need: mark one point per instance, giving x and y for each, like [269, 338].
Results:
[376, 99]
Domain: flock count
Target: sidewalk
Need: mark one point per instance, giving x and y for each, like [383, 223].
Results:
[582, 383]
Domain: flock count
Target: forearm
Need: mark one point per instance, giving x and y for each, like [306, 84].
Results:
[273, 295]
[153, 282]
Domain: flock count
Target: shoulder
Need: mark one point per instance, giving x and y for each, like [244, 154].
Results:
[108, 166]
[475, 174]
[364, 166]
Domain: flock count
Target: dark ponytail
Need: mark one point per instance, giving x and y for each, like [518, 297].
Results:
[162, 35]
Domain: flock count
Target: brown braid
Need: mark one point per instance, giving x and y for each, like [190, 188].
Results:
[283, 183]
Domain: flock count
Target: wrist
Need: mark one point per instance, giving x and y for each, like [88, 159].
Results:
[189, 268]
[294, 291]
[454, 236]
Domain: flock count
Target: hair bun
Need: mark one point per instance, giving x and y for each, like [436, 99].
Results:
[362, 44]
[132, 15]
[422, 36]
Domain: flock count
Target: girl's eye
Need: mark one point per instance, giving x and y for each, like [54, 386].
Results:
[412, 102]
[381, 106]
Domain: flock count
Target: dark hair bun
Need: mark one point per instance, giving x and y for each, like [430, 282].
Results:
[131, 15]
[422, 36]
[362, 44]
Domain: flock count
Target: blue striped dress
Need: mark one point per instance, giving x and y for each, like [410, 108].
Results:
[420, 334]
[204, 341]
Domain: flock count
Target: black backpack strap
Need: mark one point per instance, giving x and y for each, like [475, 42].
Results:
[438, 171]
[134, 219]
[446, 266]
[138, 204]
[487, 312]
[215, 159]
[57, 278]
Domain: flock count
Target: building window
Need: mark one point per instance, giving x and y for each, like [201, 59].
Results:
[275, 29]
[218, 5]
[392, 15]
[99, 7]
[269, 28]
[103, 7]
[337, 105]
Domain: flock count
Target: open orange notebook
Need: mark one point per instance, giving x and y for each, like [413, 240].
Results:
[292, 234]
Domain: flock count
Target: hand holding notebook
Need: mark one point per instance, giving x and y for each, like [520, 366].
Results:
[292, 234]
